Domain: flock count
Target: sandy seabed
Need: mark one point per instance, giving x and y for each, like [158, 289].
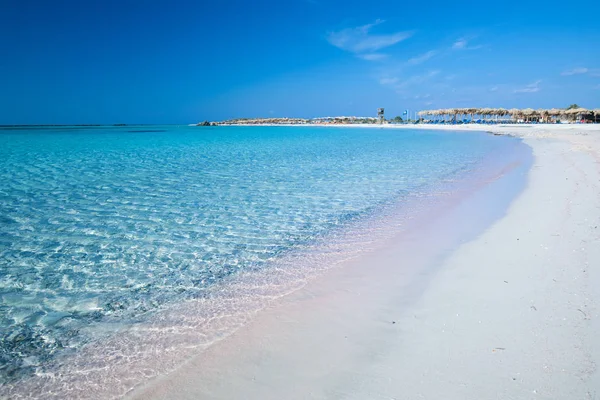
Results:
[511, 314]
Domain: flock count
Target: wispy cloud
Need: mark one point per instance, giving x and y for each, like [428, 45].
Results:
[373, 56]
[460, 44]
[595, 72]
[360, 40]
[494, 89]
[463, 44]
[422, 58]
[531, 88]
[575, 71]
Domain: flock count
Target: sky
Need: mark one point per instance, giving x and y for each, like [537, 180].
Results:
[179, 62]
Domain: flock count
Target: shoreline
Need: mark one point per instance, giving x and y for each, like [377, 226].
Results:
[356, 336]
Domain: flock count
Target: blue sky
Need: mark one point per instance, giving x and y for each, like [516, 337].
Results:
[186, 61]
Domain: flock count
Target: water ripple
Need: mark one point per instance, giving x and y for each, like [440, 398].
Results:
[105, 228]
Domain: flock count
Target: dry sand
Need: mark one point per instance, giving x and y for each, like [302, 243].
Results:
[512, 314]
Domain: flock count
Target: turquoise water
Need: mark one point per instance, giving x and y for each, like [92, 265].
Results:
[104, 228]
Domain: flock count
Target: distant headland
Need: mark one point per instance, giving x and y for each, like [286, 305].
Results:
[293, 121]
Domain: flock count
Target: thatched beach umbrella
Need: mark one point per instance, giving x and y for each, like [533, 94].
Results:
[551, 113]
[473, 112]
[453, 113]
[569, 114]
[485, 112]
[446, 114]
[515, 113]
[528, 113]
[573, 113]
[434, 114]
[581, 112]
[554, 112]
[500, 112]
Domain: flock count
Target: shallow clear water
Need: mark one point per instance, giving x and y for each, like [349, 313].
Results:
[103, 228]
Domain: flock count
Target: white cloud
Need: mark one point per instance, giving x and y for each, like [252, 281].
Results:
[575, 71]
[494, 89]
[460, 44]
[463, 44]
[422, 58]
[373, 56]
[531, 88]
[595, 72]
[361, 40]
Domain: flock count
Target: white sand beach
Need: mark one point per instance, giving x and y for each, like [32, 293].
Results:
[512, 314]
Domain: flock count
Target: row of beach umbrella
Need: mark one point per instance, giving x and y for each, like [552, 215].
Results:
[527, 114]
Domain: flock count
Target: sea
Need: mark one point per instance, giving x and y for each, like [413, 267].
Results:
[125, 250]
